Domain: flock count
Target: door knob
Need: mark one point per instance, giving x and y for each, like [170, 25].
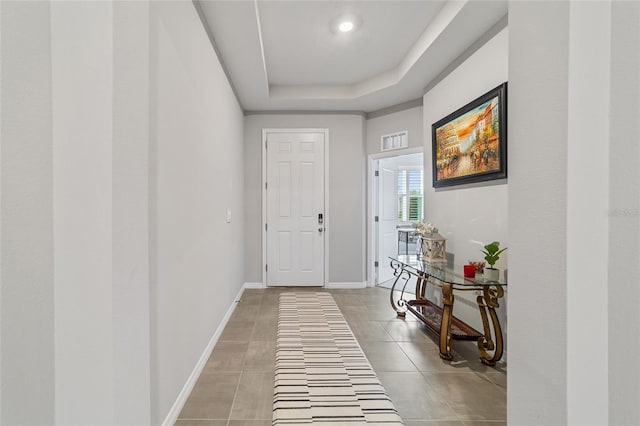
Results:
[320, 229]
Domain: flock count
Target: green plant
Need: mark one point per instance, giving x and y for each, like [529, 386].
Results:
[492, 253]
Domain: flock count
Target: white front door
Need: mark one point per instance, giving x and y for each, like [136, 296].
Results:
[295, 208]
[388, 221]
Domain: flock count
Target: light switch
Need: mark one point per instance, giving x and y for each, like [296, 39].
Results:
[228, 216]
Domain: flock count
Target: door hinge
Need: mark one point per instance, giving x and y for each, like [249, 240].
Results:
[265, 186]
[376, 264]
[265, 226]
[377, 173]
[266, 268]
[376, 219]
[265, 144]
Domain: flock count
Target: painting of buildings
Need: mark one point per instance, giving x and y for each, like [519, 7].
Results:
[469, 144]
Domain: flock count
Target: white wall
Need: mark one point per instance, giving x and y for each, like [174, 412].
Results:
[117, 261]
[74, 327]
[624, 216]
[196, 174]
[567, 64]
[26, 226]
[100, 96]
[347, 191]
[468, 216]
[406, 160]
[409, 119]
[81, 39]
[576, 67]
[587, 205]
[538, 70]
[130, 187]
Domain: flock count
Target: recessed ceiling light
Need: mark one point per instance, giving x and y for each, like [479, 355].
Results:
[345, 26]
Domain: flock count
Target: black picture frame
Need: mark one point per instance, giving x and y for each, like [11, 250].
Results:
[470, 144]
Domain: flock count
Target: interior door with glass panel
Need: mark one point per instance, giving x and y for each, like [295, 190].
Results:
[295, 208]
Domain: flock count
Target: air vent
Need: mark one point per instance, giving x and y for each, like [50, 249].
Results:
[395, 141]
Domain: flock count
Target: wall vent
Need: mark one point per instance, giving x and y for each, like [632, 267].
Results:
[395, 141]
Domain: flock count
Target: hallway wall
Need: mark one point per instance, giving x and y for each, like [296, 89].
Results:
[26, 215]
[469, 216]
[408, 119]
[347, 186]
[196, 175]
[122, 151]
[574, 66]
[74, 279]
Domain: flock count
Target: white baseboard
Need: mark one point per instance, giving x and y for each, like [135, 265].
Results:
[173, 414]
[254, 285]
[347, 285]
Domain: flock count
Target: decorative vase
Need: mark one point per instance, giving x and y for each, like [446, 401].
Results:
[491, 274]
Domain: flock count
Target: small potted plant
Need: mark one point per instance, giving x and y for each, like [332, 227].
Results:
[492, 253]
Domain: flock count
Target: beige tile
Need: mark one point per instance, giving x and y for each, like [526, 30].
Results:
[267, 316]
[351, 313]
[420, 398]
[254, 400]
[471, 395]
[365, 330]
[199, 422]
[268, 310]
[244, 312]
[407, 331]
[237, 330]
[465, 354]
[386, 356]
[261, 356]
[498, 378]
[361, 313]
[425, 356]
[384, 312]
[250, 422]
[471, 364]
[265, 330]
[251, 297]
[212, 396]
[414, 398]
[228, 355]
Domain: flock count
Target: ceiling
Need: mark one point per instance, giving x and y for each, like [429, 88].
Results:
[290, 56]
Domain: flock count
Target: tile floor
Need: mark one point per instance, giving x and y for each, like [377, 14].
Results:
[236, 385]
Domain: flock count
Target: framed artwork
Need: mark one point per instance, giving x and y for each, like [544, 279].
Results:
[470, 144]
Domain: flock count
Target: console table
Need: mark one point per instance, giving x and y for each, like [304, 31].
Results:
[451, 279]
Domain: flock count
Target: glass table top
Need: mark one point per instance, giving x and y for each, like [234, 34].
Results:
[452, 274]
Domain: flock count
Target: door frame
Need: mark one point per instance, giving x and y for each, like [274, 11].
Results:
[327, 215]
[372, 203]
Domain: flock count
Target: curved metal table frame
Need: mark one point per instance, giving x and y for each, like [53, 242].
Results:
[489, 341]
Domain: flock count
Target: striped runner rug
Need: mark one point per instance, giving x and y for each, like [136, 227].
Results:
[321, 374]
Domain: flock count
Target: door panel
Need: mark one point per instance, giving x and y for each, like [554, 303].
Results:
[295, 198]
[284, 193]
[388, 222]
[307, 190]
[284, 251]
